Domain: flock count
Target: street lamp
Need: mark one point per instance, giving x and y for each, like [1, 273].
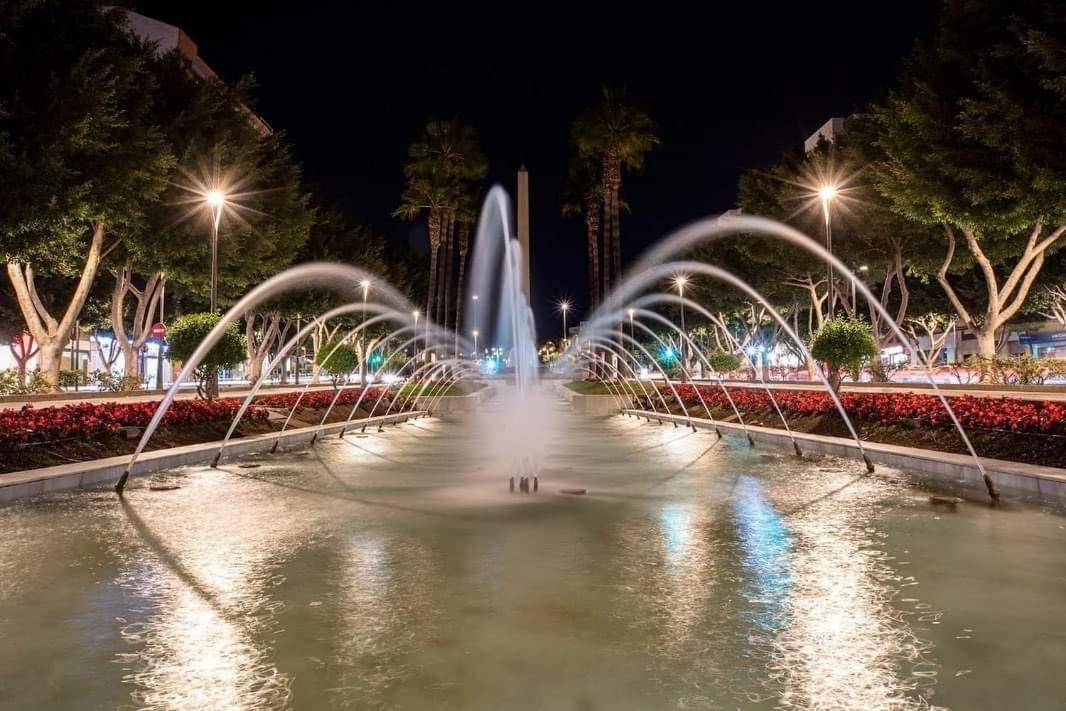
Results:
[680, 280]
[215, 200]
[475, 344]
[564, 308]
[632, 327]
[416, 314]
[862, 269]
[827, 193]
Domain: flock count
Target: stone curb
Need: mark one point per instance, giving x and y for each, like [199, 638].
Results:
[19, 485]
[1014, 478]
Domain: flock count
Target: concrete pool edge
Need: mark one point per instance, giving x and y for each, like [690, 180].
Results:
[33, 482]
[1013, 478]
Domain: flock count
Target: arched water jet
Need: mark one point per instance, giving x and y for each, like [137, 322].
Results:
[666, 378]
[590, 357]
[336, 277]
[382, 394]
[612, 388]
[653, 274]
[621, 354]
[699, 308]
[283, 353]
[710, 229]
[384, 362]
[684, 336]
[383, 315]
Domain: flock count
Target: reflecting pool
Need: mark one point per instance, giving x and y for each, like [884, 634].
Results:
[395, 570]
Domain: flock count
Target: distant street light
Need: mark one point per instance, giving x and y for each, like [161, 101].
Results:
[564, 308]
[827, 193]
[680, 280]
[862, 269]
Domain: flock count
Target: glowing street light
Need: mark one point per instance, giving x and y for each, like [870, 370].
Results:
[680, 281]
[863, 269]
[564, 308]
[215, 201]
[827, 193]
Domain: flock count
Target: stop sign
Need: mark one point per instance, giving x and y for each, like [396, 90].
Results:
[159, 330]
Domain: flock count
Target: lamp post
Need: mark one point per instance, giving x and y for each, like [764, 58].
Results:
[827, 193]
[475, 344]
[564, 308]
[362, 334]
[680, 280]
[416, 314]
[863, 269]
[215, 200]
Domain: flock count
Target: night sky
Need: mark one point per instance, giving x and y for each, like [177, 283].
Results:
[731, 88]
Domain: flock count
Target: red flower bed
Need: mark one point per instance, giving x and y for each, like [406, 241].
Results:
[82, 420]
[320, 399]
[989, 413]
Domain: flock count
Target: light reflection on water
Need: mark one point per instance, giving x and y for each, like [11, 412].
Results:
[402, 574]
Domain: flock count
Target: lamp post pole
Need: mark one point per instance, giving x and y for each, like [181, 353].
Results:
[827, 193]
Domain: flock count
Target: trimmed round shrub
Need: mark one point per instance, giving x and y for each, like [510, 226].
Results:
[843, 346]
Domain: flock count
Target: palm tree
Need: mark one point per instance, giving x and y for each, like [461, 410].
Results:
[443, 165]
[433, 194]
[583, 195]
[465, 218]
[618, 135]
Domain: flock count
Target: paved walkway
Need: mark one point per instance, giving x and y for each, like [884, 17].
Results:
[150, 396]
[1054, 393]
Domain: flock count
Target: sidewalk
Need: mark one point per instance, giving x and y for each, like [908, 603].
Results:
[1055, 393]
[15, 402]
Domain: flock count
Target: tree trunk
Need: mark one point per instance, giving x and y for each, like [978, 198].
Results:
[449, 248]
[143, 316]
[592, 228]
[434, 247]
[464, 249]
[52, 334]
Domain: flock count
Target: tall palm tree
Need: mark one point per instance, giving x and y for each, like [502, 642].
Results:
[618, 135]
[446, 161]
[465, 218]
[432, 194]
[583, 195]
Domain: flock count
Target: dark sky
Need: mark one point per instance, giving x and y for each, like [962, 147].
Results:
[730, 87]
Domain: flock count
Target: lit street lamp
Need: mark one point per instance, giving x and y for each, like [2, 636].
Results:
[215, 200]
[827, 193]
[564, 308]
[863, 269]
[416, 314]
[680, 280]
[475, 344]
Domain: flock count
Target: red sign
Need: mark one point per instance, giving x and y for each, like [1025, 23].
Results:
[159, 330]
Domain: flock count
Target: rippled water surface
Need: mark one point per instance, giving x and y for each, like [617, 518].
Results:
[394, 570]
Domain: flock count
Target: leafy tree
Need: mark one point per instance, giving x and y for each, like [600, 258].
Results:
[618, 135]
[81, 158]
[723, 362]
[843, 346]
[973, 145]
[186, 335]
[338, 358]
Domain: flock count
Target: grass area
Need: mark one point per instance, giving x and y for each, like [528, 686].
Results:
[463, 387]
[595, 387]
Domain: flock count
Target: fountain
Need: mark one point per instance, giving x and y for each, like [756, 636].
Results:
[398, 571]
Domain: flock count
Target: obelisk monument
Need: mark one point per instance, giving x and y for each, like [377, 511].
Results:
[523, 226]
